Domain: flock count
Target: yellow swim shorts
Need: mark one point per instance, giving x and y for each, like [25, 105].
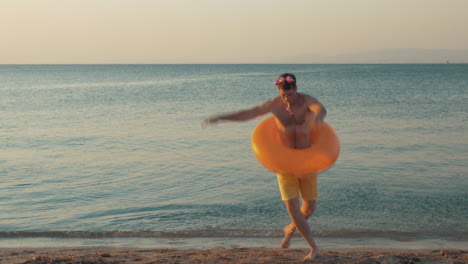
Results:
[291, 187]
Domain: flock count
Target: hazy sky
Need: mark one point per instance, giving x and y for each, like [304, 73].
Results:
[221, 31]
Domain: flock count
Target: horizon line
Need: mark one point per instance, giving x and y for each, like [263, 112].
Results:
[247, 63]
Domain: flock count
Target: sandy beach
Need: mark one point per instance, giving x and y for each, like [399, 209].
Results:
[91, 255]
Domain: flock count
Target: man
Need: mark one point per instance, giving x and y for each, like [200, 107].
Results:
[294, 114]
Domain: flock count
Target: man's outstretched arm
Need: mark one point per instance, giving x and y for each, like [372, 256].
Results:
[242, 115]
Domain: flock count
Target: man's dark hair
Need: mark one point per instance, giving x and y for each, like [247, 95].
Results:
[286, 85]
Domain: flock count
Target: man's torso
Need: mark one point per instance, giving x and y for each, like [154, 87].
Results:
[294, 128]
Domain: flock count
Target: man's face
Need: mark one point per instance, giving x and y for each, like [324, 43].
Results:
[288, 96]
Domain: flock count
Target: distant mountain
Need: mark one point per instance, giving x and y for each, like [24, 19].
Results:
[387, 56]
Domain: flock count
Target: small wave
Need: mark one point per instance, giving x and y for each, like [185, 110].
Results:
[124, 84]
[102, 84]
[120, 234]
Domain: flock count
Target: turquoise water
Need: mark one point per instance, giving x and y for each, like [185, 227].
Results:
[118, 149]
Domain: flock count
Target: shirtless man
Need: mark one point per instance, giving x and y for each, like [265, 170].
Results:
[294, 113]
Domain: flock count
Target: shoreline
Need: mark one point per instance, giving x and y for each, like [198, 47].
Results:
[230, 242]
[91, 255]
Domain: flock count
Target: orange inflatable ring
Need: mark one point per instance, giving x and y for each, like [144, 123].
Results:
[275, 156]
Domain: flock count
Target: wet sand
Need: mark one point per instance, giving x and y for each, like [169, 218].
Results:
[91, 255]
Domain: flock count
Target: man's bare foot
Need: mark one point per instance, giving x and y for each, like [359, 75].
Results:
[288, 234]
[312, 255]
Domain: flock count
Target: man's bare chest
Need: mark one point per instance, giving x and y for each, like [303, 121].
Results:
[293, 118]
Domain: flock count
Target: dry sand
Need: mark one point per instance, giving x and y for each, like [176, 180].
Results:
[89, 255]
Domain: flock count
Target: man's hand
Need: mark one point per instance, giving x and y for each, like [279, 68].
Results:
[318, 112]
[318, 119]
[209, 121]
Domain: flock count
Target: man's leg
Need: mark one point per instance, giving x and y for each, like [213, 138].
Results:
[300, 222]
[307, 209]
[309, 192]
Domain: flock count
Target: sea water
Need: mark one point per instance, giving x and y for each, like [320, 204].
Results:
[118, 150]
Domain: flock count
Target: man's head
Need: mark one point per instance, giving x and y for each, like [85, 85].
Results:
[287, 87]
[286, 81]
